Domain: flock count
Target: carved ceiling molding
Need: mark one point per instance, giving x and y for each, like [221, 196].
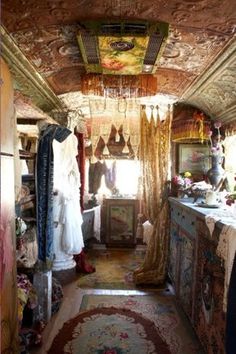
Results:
[215, 90]
[26, 109]
[172, 82]
[216, 15]
[45, 31]
[191, 51]
[27, 79]
[51, 48]
[66, 80]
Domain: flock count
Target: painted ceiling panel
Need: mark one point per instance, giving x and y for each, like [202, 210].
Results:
[200, 32]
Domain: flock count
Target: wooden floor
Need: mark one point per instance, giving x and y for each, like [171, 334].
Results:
[70, 307]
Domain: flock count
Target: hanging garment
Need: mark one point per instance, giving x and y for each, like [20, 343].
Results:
[96, 171]
[81, 165]
[44, 183]
[67, 185]
[110, 175]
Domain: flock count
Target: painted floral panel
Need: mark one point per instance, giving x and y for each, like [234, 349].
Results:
[122, 55]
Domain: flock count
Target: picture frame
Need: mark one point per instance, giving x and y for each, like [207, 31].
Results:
[121, 221]
[194, 158]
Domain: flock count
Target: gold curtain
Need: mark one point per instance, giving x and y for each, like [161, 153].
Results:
[154, 156]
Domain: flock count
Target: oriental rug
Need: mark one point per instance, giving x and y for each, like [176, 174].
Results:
[114, 269]
[134, 324]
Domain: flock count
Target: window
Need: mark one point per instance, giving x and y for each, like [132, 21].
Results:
[230, 160]
[127, 177]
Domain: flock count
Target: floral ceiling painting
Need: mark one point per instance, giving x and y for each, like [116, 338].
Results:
[122, 55]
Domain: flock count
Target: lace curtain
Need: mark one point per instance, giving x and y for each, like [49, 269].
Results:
[118, 113]
[154, 156]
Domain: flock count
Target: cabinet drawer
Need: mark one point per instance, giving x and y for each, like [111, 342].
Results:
[188, 223]
[176, 213]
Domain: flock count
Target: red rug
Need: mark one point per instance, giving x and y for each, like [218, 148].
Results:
[109, 331]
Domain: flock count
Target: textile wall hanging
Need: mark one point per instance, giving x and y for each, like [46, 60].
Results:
[155, 159]
[118, 113]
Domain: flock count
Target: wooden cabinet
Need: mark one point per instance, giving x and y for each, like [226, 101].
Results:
[88, 224]
[173, 266]
[197, 274]
[186, 272]
[209, 318]
[182, 257]
[120, 222]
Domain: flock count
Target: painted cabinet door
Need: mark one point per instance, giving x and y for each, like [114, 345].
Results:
[88, 224]
[209, 317]
[121, 222]
[173, 264]
[186, 271]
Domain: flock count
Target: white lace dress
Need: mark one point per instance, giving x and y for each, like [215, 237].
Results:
[67, 184]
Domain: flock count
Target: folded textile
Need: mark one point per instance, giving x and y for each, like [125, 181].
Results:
[210, 222]
[226, 250]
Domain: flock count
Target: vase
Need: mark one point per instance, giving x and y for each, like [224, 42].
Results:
[216, 172]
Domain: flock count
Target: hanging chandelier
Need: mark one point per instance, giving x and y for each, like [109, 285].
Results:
[115, 86]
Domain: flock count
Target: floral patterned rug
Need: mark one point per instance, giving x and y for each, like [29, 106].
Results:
[109, 330]
[159, 307]
[114, 269]
[133, 324]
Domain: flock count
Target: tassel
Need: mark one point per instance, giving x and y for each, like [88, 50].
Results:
[125, 149]
[117, 138]
[106, 151]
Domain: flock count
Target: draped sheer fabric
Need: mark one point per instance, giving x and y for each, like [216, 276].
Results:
[154, 157]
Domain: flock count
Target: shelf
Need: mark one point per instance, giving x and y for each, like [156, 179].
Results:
[27, 155]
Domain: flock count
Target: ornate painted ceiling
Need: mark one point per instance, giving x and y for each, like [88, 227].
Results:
[201, 33]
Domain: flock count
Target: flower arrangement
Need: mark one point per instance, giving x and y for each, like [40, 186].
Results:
[183, 180]
[230, 198]
[216, 142]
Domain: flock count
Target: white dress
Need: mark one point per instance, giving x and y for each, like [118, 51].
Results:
[67, 184]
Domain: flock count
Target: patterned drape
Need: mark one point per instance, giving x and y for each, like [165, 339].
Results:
[154, 156]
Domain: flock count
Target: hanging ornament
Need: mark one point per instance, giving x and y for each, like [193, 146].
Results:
[125, 149]
[106, 151]
[117, 137]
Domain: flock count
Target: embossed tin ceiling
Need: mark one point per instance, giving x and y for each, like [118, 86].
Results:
[200, 31]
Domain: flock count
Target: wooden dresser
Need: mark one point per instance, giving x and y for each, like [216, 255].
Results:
[197, 273]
